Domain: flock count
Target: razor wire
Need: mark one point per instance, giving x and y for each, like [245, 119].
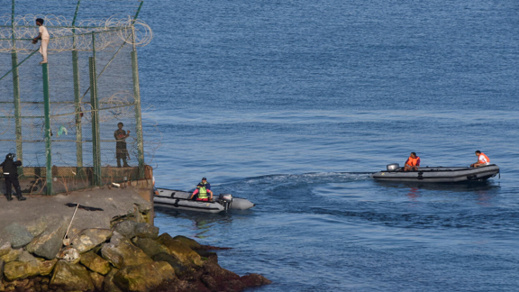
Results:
[16, 34]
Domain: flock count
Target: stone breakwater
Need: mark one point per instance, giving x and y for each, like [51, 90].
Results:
[57, 252]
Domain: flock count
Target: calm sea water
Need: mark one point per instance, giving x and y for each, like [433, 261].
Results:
[283, 102]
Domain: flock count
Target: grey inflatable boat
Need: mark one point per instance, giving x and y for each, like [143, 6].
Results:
[175, 199]
[437, 174]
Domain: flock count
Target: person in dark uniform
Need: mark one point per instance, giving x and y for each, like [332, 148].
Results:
[10, 170]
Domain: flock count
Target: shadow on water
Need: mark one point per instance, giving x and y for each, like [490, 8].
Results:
[201, 222]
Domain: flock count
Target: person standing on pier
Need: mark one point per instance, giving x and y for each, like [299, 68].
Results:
[121, 152]
[10, 171]
[44, 37]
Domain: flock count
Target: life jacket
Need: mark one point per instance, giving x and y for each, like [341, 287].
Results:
[413, 161]
[202, 191]
[483, 159]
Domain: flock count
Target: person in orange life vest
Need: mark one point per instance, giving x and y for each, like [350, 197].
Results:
[202, 190]
[412, 162]
[482, 159]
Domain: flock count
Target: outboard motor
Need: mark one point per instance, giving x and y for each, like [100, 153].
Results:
[393, 167]
[225, 200]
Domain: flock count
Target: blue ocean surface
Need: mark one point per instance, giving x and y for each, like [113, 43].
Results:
[291, 104]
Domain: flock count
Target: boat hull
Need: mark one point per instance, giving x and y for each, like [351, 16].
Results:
[439, 174]
[175, 199]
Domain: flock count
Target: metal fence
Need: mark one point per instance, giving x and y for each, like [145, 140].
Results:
[65, 112]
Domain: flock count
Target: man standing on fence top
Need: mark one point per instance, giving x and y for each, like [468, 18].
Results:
[121, 152]
[44, 37]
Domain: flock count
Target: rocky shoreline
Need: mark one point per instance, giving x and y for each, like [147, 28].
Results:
[53, 253]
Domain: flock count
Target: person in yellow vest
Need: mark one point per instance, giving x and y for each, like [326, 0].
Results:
[412, 162]
[203, 191]
[482, 159]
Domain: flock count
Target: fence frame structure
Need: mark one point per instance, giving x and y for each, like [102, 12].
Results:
[97, 179]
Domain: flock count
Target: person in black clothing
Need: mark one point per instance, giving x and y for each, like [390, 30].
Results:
[10, 170]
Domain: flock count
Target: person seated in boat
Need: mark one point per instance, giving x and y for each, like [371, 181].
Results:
[412, 163]
[203, 189]
[482, 159]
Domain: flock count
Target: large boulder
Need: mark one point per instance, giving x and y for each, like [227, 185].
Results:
[183, 252]
[27, 266]
[49, 242]
[126, 228]
[68, 276]
[90, 238]
[95, 263]
[180, 269]
[145, 277]
[12, 255]
[149, 246]
[191, 243]
[41, 224]
[16, 234]
[130, 229]
[121, 252]
[145, 230]
[97, 280]
[108, 283]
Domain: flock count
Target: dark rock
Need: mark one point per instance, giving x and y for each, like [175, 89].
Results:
[130, 229]
[254, 280]
[174, 262]
[192, 244]
[139, 277]
[205, 253]
[186, 255]
[149, 246]
[126, 228]
[108, 283]
[1, 270]
[97, 280]
[16, 234]
[145, 230]
[68, 276]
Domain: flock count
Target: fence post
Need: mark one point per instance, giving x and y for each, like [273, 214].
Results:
[77, 108]
[96, 145]
[77, 97]
[16, 92]
[48, 150]
[138, 116]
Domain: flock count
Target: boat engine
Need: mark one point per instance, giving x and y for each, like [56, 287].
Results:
[225, 200]
[392, 167]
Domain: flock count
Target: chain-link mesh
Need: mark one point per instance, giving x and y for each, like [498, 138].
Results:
[110, 40]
